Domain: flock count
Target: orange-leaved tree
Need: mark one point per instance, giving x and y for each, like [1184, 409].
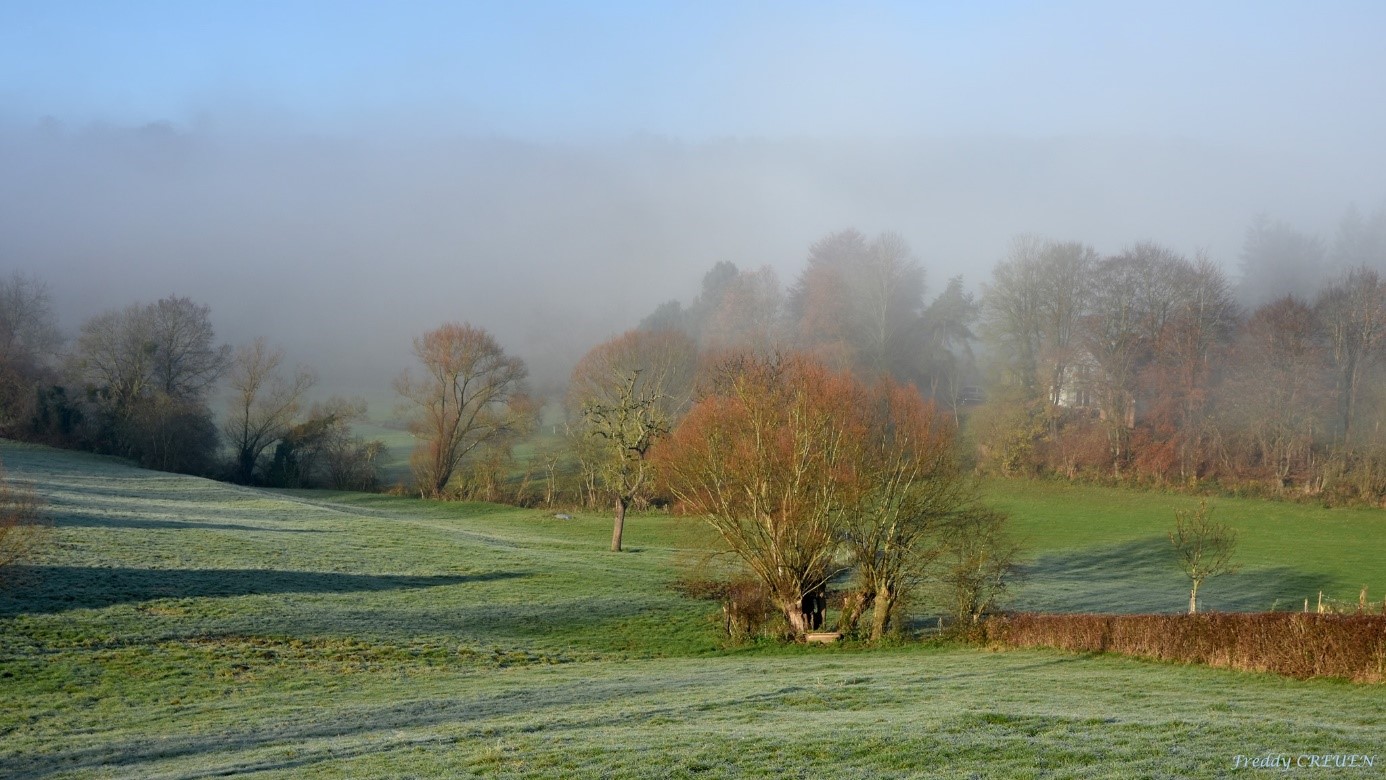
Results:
[804, 472]
[906, 502]
[767, 457]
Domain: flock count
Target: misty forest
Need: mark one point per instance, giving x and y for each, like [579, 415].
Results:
[1143, 367]
[569, 421]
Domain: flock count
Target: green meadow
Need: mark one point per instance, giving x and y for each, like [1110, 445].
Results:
[181, 628]
[1104, 549]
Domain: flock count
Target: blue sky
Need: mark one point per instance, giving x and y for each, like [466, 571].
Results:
[1268, 70]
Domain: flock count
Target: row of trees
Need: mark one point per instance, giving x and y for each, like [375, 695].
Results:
[1145, 364]
[138, 382]
[860, 304]
[796, 422]
[1141, 364]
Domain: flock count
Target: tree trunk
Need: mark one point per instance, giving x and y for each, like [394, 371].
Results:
[1193, 598]
[619, 526]
[853, 607]
[798, 621]
[437, 479]
[880, 615]
[245, 464]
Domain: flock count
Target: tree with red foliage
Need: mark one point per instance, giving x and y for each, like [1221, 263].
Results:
[907, 495]
[766, 458]
[791, 462]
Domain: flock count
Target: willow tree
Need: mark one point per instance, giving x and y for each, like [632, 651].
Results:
[766, 458]
[22, 528]
[908, 494]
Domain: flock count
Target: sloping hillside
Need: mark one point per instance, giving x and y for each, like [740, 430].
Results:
[184, 628]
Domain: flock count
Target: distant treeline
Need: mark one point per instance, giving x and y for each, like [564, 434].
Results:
[137, 383]
[1142, 366]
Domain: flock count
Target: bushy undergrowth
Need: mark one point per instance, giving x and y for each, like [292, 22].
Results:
[22, 526]
[1294, 644]
[747, 611]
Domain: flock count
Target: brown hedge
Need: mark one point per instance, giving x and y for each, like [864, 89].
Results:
[1299, 645]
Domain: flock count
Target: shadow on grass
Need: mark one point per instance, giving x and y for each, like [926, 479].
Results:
[49, 589]
[1141, 576]
[171, 525]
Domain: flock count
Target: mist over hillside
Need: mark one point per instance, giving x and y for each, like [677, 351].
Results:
[342, 247]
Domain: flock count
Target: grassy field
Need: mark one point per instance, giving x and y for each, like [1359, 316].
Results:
[184, 628]
[1101, 549]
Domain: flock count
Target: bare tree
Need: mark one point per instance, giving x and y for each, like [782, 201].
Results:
[857, 303]
[1203, 549]
[465, 398]
[908, 491]
[29, 339]
[263, 405]
[1182, 372]
[1353, 312]
[186, 361]
[114, 355]
[1011, 312]
[150, 367]
[628, 392]
[1274, 395]
[1033, 309]
[1133, 296]
[28, 329]
[889, 292]
[1065, 288]
[165, 347]
[765, 458]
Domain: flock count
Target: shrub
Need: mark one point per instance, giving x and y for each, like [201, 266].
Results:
[1295, 644]
[22, 529]
[746, 605]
